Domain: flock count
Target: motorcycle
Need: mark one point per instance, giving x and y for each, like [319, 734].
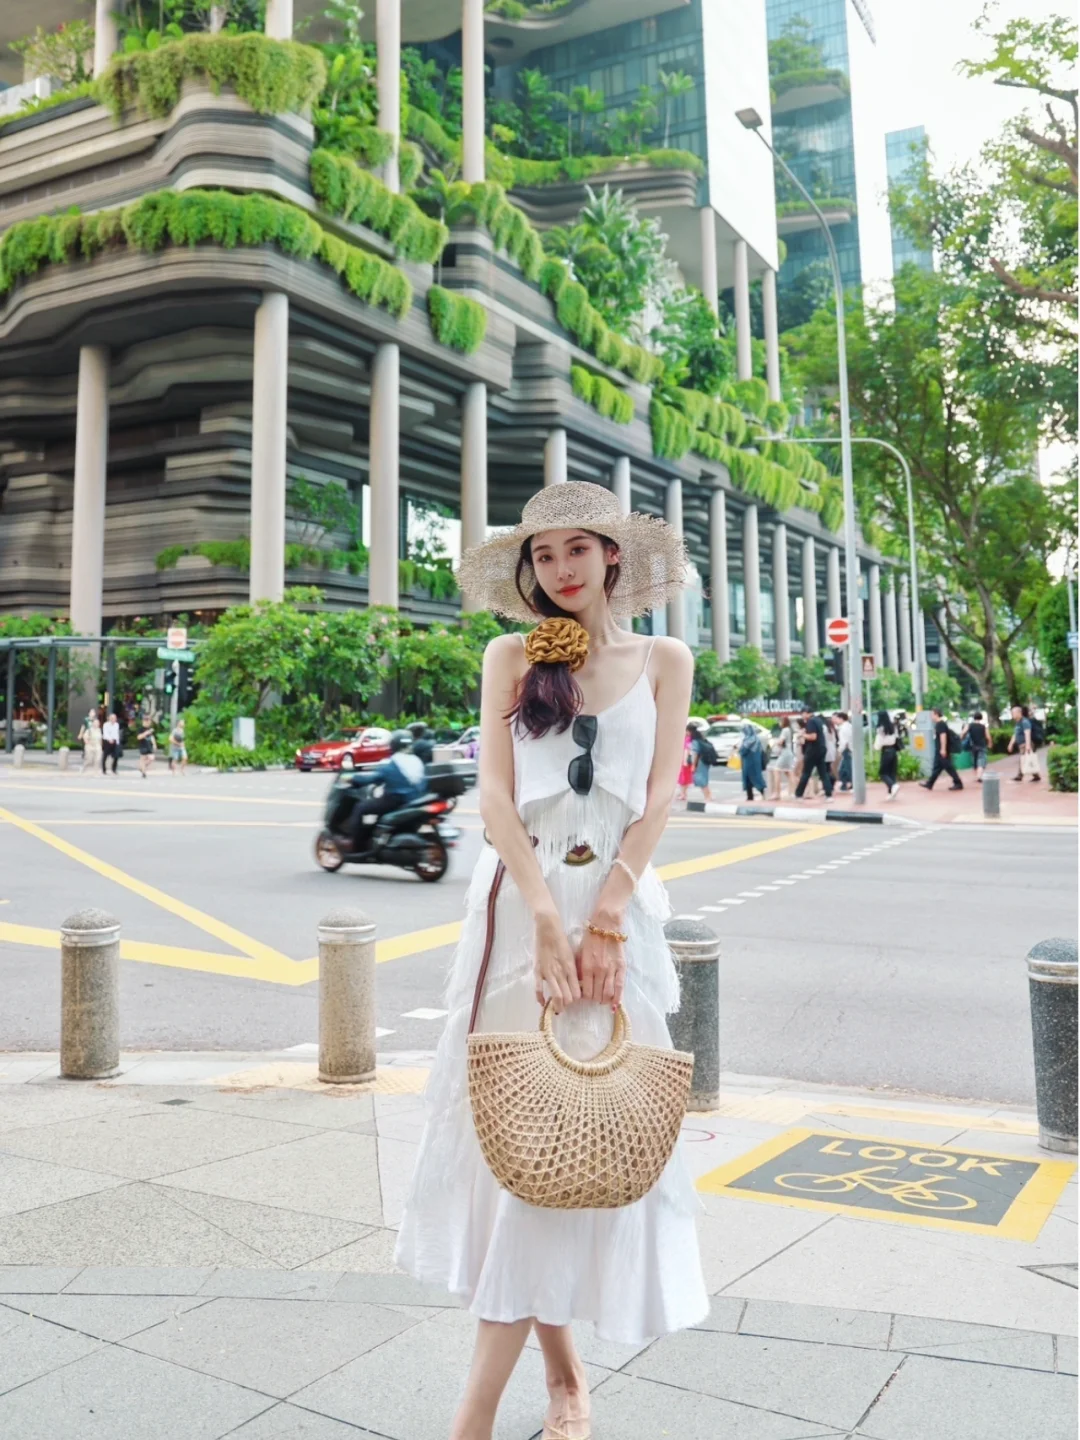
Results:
[414, 837]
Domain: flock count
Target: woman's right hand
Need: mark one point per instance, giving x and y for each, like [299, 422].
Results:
[555, 967]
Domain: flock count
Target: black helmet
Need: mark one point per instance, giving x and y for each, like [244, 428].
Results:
[400, 740]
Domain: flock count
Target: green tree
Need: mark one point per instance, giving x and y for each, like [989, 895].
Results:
[795, 48]
[581, 101]
[943, 693]
[673, 85]
[319, 511]
[746, 676]
[541, 135]
[66, 53]
[692, 342]
[805, 679]
[436, 668]
[627, 131]
[893, 690]
[1053, 634]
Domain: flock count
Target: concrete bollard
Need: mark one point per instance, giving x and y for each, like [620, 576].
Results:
[1052, 989]
[695, 948]
[90, 996]
[17, 757]
[62, 756]
[346, 998]
[991, 796]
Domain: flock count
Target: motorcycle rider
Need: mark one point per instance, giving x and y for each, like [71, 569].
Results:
[402, 779]
[423, 741]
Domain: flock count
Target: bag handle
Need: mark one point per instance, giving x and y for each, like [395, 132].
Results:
[489, 944]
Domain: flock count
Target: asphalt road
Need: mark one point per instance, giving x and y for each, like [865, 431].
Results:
[869, 956]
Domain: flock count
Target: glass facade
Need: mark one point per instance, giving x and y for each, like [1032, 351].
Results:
[817, 141]
[905, 154]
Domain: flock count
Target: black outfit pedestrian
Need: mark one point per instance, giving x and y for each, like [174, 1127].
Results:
[943, 762]
[814, 757]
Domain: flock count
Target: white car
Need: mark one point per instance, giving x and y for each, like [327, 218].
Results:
[726, 737]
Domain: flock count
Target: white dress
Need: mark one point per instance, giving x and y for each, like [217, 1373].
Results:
[634, 1272]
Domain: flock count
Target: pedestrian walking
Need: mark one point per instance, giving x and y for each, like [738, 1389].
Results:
[686, 769]
[887, 744]
[178, 748]
[705, 757]
[1025, 743]
[110, 743]
[976, 738]
[90, 735]
[815, 754]
[147, 747]
[842, 727]
[778, 772]
[582, 728]
[946, 743]
[753, 775]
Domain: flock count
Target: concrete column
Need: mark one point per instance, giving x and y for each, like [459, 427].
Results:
[752, 576]
[874, 591]
[811, 641]
[89, 996]
[269, 415]
[620, 483]
[833, 603]
[744, 363]
[772, 336]
[781, 604]
[279, 19]
[943, 630]
[474, 470]
[88, 505]
[710, 271]
[106, 34]
[673, 514]
[384, 454]
[472, 91]
[555, 465]
[388, 80]
[718, 566]
[905, 627]
[346, 998]
[892, 640]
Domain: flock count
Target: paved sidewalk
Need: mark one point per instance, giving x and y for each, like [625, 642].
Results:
[202, 1247]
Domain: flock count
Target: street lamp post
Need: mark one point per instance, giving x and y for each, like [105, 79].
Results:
[752, 121]
[917, 627]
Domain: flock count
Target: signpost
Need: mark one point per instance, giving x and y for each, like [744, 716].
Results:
[838, 631]
[869, 667]
[175, 651]
[176, 637]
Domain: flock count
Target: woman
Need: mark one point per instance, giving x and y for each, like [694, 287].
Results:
[703, 756]
[178, 748]
[976, 738]
[753, 777]
[885, 743]
[582, 730]
[686, 769]
[781, 764]
[90, 735]
[147, 747]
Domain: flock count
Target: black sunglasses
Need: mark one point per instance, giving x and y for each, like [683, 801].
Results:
[580, 771]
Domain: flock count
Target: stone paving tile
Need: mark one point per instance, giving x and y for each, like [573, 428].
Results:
[27, 1185]
[140, 1280]
[816, 1322]
[1066, 1354]
[829, 1384]
[725, 1311]
[141, 1145]
[627, 1408]
[36, 1279]
[396, 1161]
[331, 1173]
[736, 1236]
[270, 1284]
[105, 1317]
[283, 1236]
[990, 1344]
[288, 1422]
[410, 1387]
[373, 1255]
[609, 1354]
[34, 1347]
[392, 1289]
[119, 1395]
[136, 1225]
[28, 1105]
[274, 1346]
[327, 1110]
[972, 1402]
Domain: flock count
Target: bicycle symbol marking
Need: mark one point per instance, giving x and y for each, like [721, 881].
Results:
[919, 1194]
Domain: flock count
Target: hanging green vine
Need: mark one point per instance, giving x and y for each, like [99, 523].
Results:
[606, 398]
[343, 188]
[456, 320]
[272, 76]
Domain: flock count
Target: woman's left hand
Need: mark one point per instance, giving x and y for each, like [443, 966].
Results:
[602, 965]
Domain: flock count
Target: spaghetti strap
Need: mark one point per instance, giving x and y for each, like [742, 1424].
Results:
[648, 656]
[521, 637]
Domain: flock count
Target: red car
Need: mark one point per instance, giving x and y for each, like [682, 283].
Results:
[346, 750]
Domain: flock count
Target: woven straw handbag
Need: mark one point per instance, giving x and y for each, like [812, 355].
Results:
[570, 1134]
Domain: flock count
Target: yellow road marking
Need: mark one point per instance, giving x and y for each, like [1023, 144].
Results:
[145, 794]
[738, 853]
[785, 1109]
[271, 960]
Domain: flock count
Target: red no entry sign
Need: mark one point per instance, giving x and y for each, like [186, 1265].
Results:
[838, 631]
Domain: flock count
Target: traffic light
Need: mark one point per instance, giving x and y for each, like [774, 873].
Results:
[835, 668]
[170, 680]
[185, 685]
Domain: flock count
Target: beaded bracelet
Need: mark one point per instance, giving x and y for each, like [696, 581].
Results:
[624, 866]
[606, 934]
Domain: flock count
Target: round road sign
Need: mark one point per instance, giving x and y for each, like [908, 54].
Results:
[838, 631]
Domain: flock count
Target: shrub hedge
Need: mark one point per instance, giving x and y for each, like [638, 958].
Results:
[456, 320]
[344, 188]
[1061, 766]
[530, 173]
[598, 391]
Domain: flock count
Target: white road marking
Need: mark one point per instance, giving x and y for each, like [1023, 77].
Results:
[768, 887]
[380, 1032]
[423, 1014]
[786, 882]
[731, 900]
[714, 909]
[750, 894]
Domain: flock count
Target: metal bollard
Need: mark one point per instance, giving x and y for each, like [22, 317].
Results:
[695, 948]
[991, 796]
[346, 998]
[62, 757]
[17, 757]
[90, 996]
[1052, 988]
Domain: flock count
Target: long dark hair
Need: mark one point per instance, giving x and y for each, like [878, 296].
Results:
[548, 695]
[885, 724]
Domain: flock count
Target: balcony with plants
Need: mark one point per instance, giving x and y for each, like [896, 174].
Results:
[798, 75]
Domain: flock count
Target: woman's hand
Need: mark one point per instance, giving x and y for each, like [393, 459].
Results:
[603, 964]
[555, 968]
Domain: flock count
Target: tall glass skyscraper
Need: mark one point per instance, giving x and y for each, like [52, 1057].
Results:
[905, 153]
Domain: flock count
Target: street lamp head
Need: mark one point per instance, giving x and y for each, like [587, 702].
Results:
[749, 118]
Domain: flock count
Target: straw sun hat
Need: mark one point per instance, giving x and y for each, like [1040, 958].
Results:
[653, 563]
